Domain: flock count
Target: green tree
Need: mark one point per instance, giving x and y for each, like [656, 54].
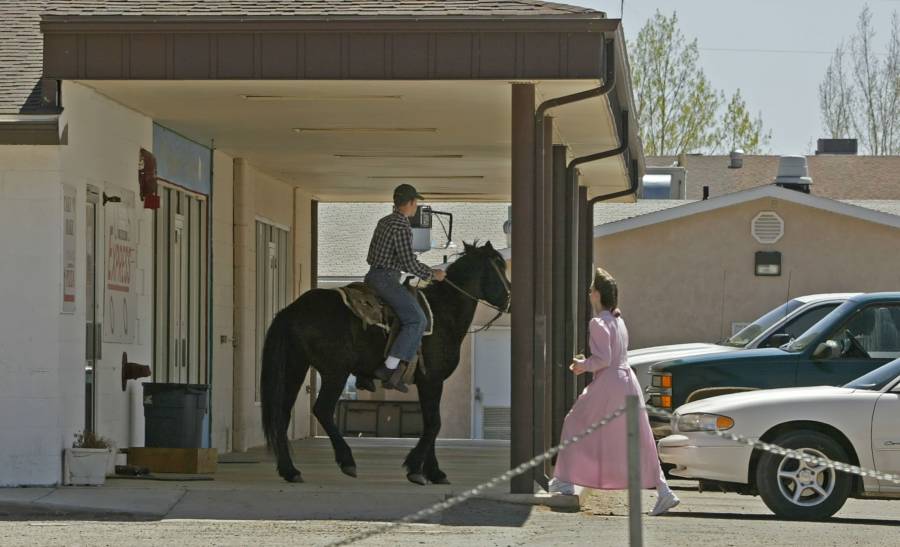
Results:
[739, 130]
[676, 105]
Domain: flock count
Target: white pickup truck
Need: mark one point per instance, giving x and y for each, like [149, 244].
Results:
[772, 330]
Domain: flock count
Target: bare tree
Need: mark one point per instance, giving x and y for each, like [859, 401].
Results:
[864, 100]
[836, 97]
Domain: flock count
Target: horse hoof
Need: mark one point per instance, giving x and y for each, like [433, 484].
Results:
[417, 478]
[296, 478]
[349, 470]
[441, 481]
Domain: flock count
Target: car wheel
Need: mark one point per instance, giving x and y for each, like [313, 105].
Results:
[799, 490]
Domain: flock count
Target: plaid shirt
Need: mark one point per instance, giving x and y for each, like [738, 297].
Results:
[391, 247]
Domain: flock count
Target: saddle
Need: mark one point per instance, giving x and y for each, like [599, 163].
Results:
[362, 301]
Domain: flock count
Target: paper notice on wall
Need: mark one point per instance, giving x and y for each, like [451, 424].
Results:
[68, 249]
[119, 313]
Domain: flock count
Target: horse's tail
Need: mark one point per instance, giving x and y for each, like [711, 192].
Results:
[273, 379]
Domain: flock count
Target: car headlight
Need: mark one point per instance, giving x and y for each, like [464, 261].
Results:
[703, 422]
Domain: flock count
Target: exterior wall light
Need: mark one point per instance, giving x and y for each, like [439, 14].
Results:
[768, 264]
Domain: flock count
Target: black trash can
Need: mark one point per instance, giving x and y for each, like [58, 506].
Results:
[173, 415]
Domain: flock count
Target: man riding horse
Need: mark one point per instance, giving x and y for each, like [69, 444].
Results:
[390, 253]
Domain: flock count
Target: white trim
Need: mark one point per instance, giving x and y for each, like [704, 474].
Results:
[761, 192]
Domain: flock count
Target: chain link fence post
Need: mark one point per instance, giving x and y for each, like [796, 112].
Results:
[632, 413]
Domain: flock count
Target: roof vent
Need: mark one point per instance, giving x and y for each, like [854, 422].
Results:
[737, 159]
[767, 228]
[793, 174]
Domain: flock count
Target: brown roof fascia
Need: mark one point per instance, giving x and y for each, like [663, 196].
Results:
[545, 23]
[43, 130]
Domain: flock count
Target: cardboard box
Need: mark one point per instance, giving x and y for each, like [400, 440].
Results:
[198, 461]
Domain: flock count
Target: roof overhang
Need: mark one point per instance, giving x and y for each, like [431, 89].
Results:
[553, 51]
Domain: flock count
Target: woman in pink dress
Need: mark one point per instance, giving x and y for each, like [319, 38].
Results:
[600, 460]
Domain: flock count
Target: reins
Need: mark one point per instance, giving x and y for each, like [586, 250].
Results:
[500, 312]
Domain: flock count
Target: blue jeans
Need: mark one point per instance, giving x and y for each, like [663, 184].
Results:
[386, 284]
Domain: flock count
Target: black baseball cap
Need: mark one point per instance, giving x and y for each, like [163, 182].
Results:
[406, 193]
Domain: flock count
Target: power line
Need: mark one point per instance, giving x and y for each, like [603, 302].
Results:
[755, 50]
[778, 51]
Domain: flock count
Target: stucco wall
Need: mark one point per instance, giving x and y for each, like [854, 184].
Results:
[687, 280]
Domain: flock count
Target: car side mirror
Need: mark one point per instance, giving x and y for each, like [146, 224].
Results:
[827, 350]
[778, 340]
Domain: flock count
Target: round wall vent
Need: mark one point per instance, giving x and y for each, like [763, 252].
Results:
[767, 227]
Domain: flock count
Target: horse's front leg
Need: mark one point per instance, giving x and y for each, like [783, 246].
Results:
[418, 462]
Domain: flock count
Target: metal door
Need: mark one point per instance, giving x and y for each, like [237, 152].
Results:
[93, 322]
[491, 387]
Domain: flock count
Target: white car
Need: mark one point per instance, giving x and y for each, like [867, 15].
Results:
[772, 330]
[856, 424]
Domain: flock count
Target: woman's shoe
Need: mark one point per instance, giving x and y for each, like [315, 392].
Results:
[561, 487]
[664, 502]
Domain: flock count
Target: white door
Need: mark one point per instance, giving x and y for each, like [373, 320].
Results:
[886, 438]
[491, 386]
[94, 328]
[179, 304]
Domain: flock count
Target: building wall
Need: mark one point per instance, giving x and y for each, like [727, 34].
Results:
[687, 280]
[42, 351]
[104, 142]
[33, 423]
[222, 323]
[258, 196]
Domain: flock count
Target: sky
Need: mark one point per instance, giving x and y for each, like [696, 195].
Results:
[775, 51]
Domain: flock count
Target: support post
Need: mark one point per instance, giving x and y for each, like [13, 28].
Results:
[585, 266]
[632, 411]
[543, 294]
[561, 286]
[524, 248]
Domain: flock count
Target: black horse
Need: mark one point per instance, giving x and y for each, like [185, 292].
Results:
[318, 331]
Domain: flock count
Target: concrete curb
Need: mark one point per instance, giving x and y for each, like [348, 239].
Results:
[554, 501]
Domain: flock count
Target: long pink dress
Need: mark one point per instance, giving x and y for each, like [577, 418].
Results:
[601, 459]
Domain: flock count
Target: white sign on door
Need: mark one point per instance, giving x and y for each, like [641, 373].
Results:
[121, 265]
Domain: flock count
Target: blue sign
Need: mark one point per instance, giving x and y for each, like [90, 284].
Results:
[182, 161]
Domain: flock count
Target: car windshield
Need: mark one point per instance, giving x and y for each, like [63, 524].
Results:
[764, 323]
[878, 378]
[825, 326]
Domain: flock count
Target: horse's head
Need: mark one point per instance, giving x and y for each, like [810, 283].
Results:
[482, 271]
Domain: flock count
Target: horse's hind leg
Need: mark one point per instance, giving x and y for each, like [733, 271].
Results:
[292, 386]
[326, 402]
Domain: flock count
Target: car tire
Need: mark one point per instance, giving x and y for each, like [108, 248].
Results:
[822, 491]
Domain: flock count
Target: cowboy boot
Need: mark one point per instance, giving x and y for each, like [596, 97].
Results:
[393, 379]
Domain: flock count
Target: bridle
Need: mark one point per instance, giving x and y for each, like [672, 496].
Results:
[500, 311]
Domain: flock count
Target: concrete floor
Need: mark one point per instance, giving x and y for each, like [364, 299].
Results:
[247, 487]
